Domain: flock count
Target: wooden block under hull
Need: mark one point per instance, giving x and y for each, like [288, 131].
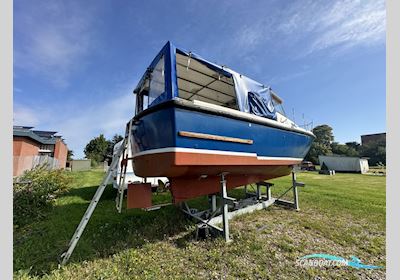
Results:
[139, 195]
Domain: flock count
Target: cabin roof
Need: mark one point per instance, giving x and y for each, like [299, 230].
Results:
[173, 58]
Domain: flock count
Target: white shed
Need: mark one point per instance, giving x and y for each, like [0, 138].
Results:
[345, 164]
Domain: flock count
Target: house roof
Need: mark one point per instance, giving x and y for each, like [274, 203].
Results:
[43, 137]
[45, 134]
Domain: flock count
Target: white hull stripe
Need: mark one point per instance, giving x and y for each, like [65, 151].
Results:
[214, 152]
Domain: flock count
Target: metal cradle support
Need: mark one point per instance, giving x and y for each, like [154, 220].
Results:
[207, 218]
[89, 211]
[210, 219]
[224, 205]
[295, 203]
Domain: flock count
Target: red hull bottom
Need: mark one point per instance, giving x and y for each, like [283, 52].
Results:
[192, 175]
[184, 188]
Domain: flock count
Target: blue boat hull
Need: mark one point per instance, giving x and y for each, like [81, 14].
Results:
[174, 141]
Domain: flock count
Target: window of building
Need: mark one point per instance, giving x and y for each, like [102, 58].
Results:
[45, 148]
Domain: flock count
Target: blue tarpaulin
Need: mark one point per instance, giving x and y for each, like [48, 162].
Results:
[260, 106]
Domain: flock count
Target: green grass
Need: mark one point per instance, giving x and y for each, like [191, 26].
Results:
[341, 215]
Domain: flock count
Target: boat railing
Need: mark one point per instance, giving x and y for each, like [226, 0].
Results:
[307, 126]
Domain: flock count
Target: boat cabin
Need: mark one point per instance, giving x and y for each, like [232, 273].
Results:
[196, 119]
[176, 73]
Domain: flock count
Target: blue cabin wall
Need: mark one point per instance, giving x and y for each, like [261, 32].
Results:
[155, 130]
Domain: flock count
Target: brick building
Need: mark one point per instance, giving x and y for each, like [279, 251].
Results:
[369, 138]
[33, 147]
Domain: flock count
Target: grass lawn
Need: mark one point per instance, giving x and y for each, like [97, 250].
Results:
[341, 215]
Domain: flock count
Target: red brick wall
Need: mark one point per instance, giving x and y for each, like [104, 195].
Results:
[60, 153]
[22, 148]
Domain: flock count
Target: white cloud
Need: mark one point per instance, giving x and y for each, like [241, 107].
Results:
[250, 36]
[108, 117]
[52, 38]
[307, 27]
[351, 24]
[25, 116]
[79, 124]
[282, 79]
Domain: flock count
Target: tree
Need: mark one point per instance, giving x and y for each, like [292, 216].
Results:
[70, 154]
[356, 146]
[344, 149]
[111, 143]
[96, 149]
[321, 144]
[323, 134]
[376, 151]
[116, 138]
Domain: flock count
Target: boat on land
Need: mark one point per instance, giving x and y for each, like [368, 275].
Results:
[207, 129]
[195, 120]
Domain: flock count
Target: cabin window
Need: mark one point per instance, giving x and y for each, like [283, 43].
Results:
[152, 88]
[157, 81]
[277, 103]
[142, 98]
[196, 81]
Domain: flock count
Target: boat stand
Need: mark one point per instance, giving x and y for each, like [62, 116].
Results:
[210, 219]
[295, 203]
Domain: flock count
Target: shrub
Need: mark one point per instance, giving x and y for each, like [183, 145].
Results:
[94, 163]
[35, 190]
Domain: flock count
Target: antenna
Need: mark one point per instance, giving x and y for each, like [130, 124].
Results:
[293, 115]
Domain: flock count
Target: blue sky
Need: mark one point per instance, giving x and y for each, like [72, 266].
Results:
[77, 62]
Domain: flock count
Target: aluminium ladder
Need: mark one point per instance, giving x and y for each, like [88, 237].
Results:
[121, 152]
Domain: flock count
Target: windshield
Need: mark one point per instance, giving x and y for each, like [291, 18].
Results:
[152, 88]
